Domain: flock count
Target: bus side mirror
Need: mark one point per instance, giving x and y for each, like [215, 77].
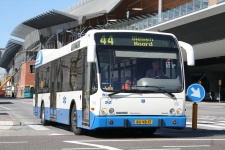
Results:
[91, 50]
[189, 51]
[91, 54]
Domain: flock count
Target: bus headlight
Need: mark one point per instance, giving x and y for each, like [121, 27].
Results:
[172, 111]
[111, 110]
[179, 111]
[104, 111]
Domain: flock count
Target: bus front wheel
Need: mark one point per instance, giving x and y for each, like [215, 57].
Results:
[73, 122]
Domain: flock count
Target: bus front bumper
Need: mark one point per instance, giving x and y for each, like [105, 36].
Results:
[139, 122]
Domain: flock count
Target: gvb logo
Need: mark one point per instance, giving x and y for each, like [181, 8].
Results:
[108, 102]
[143, 100]
[39, 59]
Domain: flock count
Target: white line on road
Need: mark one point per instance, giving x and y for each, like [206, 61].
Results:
[13, 142]
[5, 108]
[186, 146]
[148, 140]
[38, 127]
[207, 125]
[79, 148]
[157, 149]
[56, 134]
[93, 145]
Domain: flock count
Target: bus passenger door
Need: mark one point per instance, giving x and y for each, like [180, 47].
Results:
[86, 91]
[53, 81]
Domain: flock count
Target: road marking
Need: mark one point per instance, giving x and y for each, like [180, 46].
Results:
[38, 127]
[221, 121]
[93, 145]
[212, 127]
[5, 108]
[6, 123]
[149, 139]
[79, 148]
[157, 149]
[56, 134]
[187, 146]
[13, 142]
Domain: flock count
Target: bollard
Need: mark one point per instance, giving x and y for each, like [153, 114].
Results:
[219, 83]
[194, 116]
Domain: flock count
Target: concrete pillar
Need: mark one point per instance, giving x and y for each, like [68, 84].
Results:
[59, 38]
[160, 7]
[213, 78]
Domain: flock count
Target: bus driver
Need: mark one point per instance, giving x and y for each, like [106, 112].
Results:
[155, 71]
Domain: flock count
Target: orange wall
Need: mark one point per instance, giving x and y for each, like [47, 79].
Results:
[26, 78]
[212, 2]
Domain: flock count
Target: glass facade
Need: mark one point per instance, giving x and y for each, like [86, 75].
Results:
[145, 21]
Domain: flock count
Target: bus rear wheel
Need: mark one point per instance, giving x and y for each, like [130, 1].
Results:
[73, 122]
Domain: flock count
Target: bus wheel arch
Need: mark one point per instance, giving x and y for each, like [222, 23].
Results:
[73, 120]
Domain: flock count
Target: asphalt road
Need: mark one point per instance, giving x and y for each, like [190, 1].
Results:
[20, 130]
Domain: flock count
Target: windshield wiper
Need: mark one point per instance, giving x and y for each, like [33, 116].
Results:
[160, 89]
[120, 91]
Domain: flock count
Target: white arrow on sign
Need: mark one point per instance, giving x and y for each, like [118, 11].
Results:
[196, 93]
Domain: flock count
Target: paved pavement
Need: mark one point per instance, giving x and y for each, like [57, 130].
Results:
[6, 120]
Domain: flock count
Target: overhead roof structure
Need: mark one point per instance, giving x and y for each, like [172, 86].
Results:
[48, 19]
[12, 48]
[21, 31]
[95, 8]
[84, 11]
[95, 11]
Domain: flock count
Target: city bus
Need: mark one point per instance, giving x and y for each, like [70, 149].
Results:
[81, 84]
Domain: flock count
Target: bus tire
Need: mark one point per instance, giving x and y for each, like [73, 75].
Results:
[43, 121]
[73, 122]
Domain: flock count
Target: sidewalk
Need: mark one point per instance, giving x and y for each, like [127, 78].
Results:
[5, 121]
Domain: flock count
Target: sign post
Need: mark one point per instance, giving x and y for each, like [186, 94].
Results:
[195, 93]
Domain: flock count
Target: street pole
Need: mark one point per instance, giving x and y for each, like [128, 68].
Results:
[194, 116]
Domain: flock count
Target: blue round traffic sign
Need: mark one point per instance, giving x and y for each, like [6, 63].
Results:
[196, 92]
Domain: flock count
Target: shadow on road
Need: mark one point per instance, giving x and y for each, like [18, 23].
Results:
[160, 133]
[5, 103]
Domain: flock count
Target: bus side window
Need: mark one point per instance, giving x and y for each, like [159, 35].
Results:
[94, 82]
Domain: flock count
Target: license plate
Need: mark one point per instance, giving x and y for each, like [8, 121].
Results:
[143, 121]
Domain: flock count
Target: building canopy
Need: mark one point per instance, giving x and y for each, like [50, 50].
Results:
[12, 47]
[48, 19]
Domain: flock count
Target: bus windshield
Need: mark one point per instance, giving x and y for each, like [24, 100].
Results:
[133, 68]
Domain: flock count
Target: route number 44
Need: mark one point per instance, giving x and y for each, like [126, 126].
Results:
[107, 41]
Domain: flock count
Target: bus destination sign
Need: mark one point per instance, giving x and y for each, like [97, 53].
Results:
[133, 39]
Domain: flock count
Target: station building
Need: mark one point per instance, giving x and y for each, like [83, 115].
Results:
[198, 22]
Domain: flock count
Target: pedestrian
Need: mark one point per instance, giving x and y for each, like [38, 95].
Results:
[212, 94]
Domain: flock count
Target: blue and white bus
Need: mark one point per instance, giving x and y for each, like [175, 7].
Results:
[81, 84]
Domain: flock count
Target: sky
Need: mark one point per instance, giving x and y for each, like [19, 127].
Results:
[14, 12]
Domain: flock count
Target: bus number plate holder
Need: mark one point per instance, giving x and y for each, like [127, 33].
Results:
[143, 121]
